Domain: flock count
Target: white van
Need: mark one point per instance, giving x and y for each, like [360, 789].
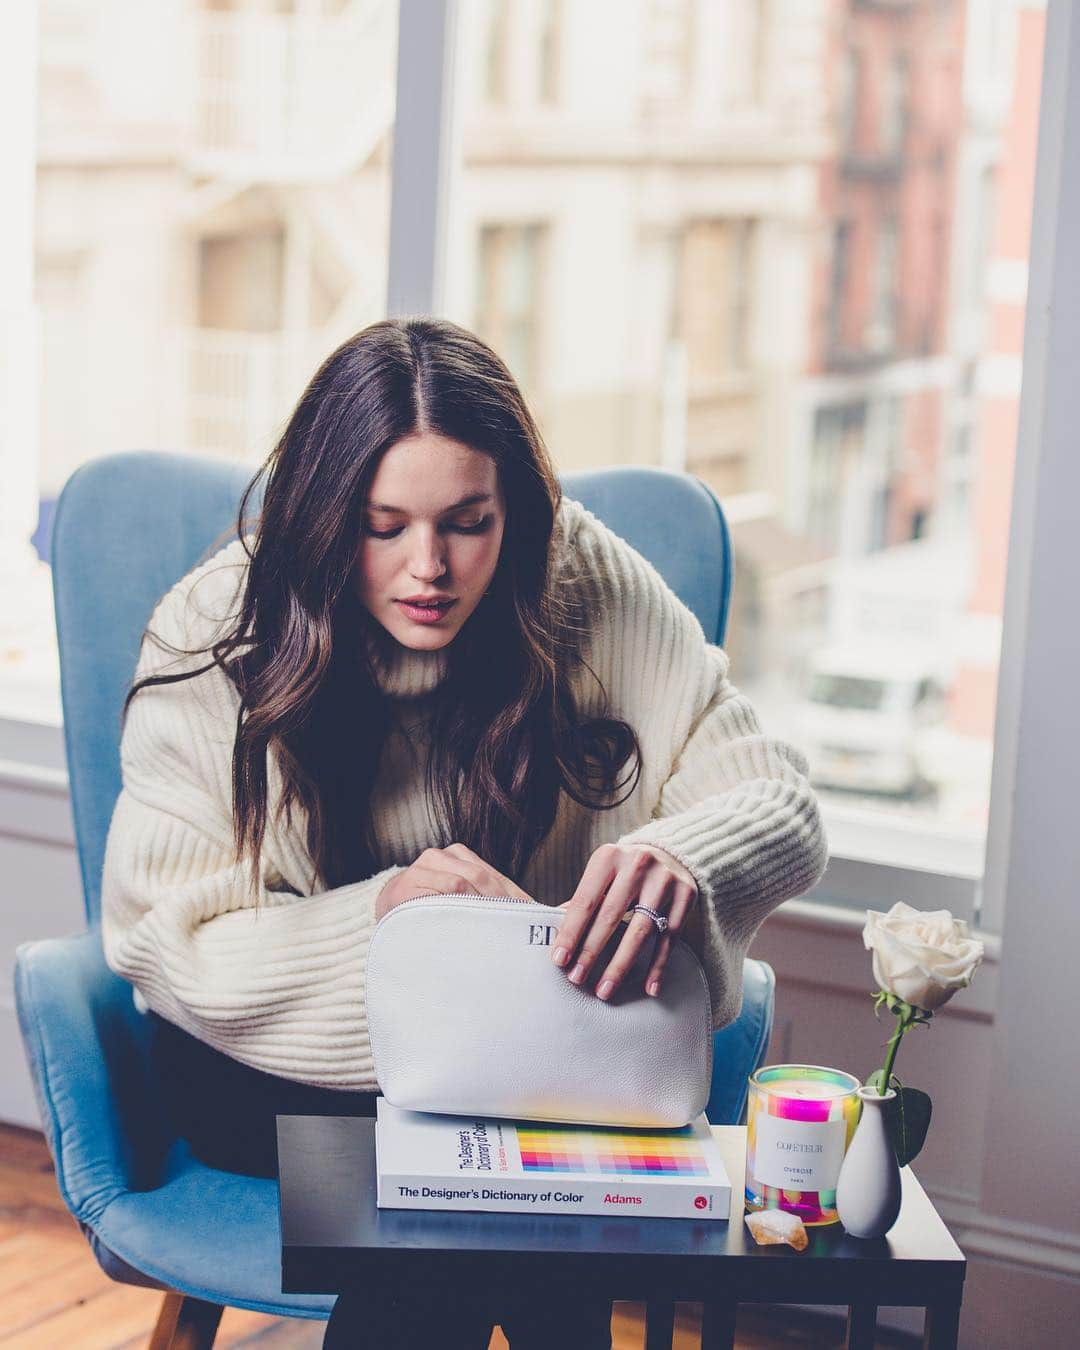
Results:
[872, 717]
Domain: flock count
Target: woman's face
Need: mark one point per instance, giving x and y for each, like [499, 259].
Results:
[420, 537]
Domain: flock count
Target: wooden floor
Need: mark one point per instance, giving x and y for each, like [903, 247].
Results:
[53, 1294]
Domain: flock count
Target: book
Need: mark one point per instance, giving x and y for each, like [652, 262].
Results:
[428, 1161]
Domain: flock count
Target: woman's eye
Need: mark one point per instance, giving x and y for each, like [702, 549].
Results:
[476, 528]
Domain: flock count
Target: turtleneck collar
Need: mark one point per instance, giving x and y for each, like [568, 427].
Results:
[398, 671]
[401, 672]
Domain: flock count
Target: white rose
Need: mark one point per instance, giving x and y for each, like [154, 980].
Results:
[923, 958]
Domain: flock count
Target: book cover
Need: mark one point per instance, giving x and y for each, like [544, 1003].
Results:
[428, 1161]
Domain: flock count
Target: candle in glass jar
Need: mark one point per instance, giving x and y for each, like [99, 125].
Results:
[800, 1120]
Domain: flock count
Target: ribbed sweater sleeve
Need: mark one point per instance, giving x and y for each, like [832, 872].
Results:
[266, 985]
[732, 804]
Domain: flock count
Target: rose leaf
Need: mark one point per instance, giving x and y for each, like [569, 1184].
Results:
[908, 1118]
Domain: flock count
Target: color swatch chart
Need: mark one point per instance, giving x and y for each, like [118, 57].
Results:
[569, 1148]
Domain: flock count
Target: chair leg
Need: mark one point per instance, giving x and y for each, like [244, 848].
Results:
[185, 1323]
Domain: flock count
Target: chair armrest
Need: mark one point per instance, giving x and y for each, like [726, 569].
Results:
[739, 1048]
[89, 1052]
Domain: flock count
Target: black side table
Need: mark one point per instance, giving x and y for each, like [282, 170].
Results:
[333, 1237]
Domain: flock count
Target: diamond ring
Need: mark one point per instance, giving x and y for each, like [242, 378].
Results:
[657, 918]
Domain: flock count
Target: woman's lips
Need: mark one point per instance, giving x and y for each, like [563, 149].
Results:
[425, 614]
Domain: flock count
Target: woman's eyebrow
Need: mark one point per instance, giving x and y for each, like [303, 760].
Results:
[465, 501]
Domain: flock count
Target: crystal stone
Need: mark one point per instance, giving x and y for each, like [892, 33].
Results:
[777, 1225]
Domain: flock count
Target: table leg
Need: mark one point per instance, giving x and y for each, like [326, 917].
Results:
[659, 1325]
[861, 1324]
[941, 1329]
[718, 1324]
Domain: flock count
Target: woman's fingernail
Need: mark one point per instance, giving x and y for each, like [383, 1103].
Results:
[654, 988]
[577, 974]
[561, 956]
[605, 989]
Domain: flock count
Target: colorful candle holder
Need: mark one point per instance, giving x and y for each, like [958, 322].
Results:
[799, 1123]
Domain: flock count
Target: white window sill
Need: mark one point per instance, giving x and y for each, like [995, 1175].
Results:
[876, 860]
[33, 740]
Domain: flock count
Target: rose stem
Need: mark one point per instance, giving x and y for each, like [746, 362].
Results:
[890, 1057]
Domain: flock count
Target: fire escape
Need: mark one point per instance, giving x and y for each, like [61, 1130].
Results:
[287, 151]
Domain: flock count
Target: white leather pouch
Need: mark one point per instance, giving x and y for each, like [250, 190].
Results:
[468, 1015]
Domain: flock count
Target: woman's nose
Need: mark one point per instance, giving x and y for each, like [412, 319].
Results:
[428, 561]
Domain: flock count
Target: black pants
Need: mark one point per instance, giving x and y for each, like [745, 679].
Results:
[453, 1319]
[225, 1110]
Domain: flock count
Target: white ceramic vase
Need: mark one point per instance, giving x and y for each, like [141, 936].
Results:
[868, 1188]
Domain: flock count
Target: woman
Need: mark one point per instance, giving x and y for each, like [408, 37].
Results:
[308, 744]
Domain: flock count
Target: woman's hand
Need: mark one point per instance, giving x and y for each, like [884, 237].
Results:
[616, 877]
[440, 871]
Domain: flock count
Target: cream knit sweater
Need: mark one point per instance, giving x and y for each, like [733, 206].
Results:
[282, 989]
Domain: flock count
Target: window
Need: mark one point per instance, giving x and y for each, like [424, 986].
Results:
[880, 513]
[547, 43]
[881, 330]
[822, 335]
[715, 301]
[760, 44]
[894, 112]
[665, 238]
[509, 275]
[838, 282]
[516, 52]
[742, 295]
[836, 452]
[667, 49]
[493, 23]
[848, 101]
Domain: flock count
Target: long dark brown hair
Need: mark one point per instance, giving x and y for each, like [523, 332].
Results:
[506, 734]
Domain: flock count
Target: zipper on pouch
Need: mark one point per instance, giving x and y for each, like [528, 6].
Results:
[470, 895]
[466, 895]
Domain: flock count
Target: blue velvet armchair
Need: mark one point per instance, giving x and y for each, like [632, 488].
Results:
[128, 526]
